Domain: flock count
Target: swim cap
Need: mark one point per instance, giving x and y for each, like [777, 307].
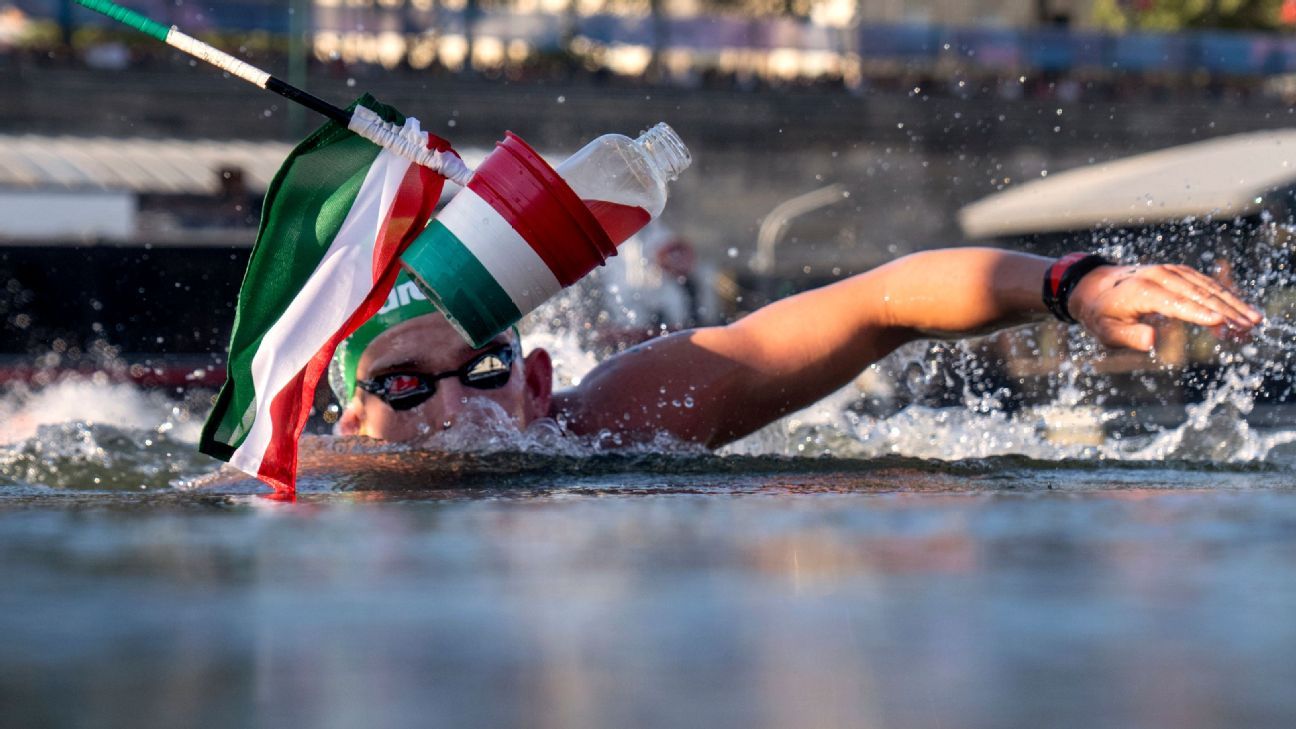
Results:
[405, 302]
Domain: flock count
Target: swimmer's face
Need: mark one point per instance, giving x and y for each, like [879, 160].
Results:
[429, 345]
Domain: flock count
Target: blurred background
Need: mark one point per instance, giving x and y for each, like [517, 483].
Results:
[829, 136]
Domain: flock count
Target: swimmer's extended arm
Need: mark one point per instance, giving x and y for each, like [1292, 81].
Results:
[717, 384]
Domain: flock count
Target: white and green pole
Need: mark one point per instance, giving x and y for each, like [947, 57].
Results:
[362, 121]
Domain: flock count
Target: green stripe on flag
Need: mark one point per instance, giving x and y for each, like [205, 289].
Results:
[460, 285]
[318, 182]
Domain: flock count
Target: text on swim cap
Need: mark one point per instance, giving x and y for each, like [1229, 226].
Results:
[401, 295]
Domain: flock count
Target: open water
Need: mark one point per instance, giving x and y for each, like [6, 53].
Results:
[940, 568]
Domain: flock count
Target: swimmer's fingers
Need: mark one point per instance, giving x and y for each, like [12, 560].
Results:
[1150, 297]
[1128, 296]
[1114, 303]
[1189, 290]
[1118, 318]
[1209, 292]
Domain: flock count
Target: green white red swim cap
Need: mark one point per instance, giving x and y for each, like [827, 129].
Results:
[405, 302]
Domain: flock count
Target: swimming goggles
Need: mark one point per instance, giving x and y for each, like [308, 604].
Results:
[489, 370]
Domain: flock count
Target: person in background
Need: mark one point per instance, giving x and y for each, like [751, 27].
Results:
[650, 287]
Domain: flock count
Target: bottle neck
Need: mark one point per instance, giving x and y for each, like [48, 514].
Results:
[666, 150]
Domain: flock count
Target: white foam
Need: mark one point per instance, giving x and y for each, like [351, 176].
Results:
[95, 400]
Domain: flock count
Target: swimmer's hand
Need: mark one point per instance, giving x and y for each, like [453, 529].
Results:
[1116, 302]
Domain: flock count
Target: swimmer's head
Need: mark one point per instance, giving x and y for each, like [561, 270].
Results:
[407, 372]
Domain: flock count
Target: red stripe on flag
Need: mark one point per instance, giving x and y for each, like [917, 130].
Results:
[416, 198]
[408, 211]
[290, 408]
[529, 195]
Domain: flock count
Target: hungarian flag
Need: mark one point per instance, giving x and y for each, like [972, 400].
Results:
[336, 218]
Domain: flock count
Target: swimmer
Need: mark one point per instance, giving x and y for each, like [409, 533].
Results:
[406, 371]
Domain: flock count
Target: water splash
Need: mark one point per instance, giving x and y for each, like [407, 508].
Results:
[96, 399]
[89, 432]
[83, 433]
[941, 401]
[80, 455]
[1086, 416]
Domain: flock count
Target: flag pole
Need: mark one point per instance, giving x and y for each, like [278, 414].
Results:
[363, 121]
[216, 57]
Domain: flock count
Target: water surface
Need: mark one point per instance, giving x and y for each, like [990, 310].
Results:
[934, 568]
[766, 592]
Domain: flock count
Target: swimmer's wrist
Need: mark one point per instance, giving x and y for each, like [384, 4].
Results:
[1063, 278]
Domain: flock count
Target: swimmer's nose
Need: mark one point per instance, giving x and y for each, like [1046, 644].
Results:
[452, 398]
[454, 401]
[457, 403]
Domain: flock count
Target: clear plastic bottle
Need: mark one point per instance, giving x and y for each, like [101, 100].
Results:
[623, 181]
[512, 239]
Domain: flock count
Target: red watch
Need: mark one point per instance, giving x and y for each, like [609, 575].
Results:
[1062, 278]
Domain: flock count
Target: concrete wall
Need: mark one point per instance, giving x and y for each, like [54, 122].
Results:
[44, 214]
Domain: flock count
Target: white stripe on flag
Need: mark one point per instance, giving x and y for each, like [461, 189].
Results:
[514, 265]
[323, 305]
